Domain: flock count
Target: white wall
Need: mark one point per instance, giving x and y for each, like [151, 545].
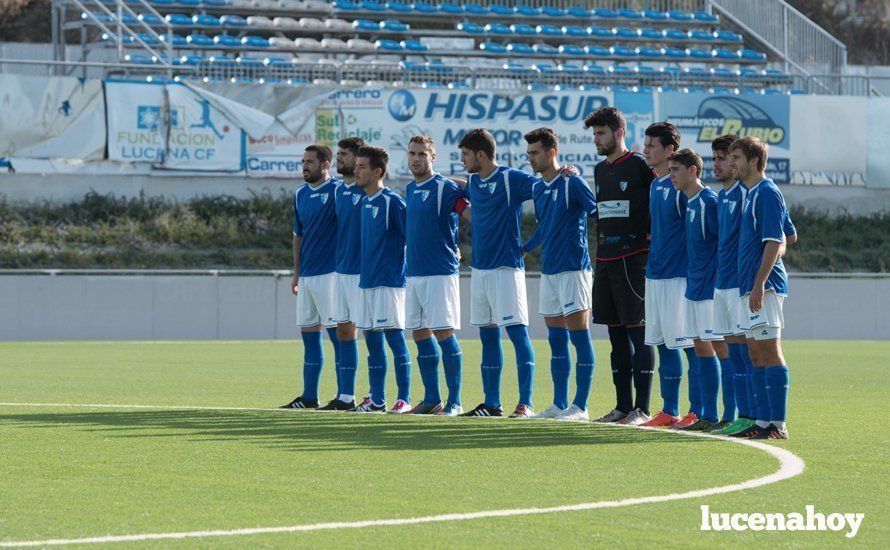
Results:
[258, 305]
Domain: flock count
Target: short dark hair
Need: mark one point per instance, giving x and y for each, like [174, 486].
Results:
[479, 139]
[752, 148]
[352, 144]
[722, 143]
[425, 140]
[688, 158]
[544, 136]
[377, 155]
[606, 116]
[323, 152]
[666, 133]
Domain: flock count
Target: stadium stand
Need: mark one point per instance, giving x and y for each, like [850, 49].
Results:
[424, 44]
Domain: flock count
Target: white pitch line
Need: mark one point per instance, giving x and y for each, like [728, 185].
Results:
[164, 407]
[790, 465]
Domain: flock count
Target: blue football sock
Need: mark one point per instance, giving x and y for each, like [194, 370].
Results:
[777, 388]
[492, 365]
[335, 342]
[402, 362]
[739, 380]
[709, 385]
[763, 404]
[745, 356]
[428, 363]
[452, 357]
[348, 364]
[584, 362]
[313, 359]
[525, 361]
[377, 363]
[560, 365]
[694, 387]
[727, 374]
[670, 373]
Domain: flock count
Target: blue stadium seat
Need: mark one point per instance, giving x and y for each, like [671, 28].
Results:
[576, 31]
[129, 19]
[392, 25]
[399, 7]
[695, 90]
[162, 2]
[630, 14]
[722, 91]
[523, 29]
[549, 30]
[753, 55]
[233, 21]
[620, 70]
[502, 10]
[275, 61]
[646, 70]
[595, 70]
[475, 9]
[698, 53]
[497, 28]
[388, 45]
[545, 49]
[191, 60]
[518, 68]
[551, 11]
[189, 3]
[250, 61]
[431, 85]
[597, 51]
[796, 92]
[698, 34]
[206, 20]
[569, 68]
[226, 40]
[580, 13]
[178, 19]
[655, 15]
[623, 51]
[457, 85]
[103, 18]
[723, 72]
[520, 49]
[651, 34]
[672, 72]
[471, 28]
[772, 91]
[748, 91]
[149, 39]
[704, 16]
[728, 36]
[366, 25]
[452, 9]
[346, 5]
[241, 80]
[423, 7]
[674, 34]
[675, 53]
[215, 3]
[372, 6]
[414, 46]
[605, 13]
[538, 87]
[726, 54]
[527, 11]
[414, 66]
[543, 67]
[746, 72]
[493, 47]
[139, 59]
[678, 15]
[198, 39]
[222, 59]
[600, 32]
[150, 19]
[627, 33]
[775, 73]
[178, 40]
[697, 72]
[254, 42]
[646, 51]
[572, 50]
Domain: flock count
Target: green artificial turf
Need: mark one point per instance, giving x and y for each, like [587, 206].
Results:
[70, 472]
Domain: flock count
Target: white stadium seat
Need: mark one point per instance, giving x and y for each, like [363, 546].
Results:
[333, 44]
[338, 25]
[286, 23]
[264, 4]
[360, 44]
[259, 21]
[307, 43]
[310, 23]
[282, 43]
[317, 5]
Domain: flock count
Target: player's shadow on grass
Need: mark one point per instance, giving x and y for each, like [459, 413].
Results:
[313, 431]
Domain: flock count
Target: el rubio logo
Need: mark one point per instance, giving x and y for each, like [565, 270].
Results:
[794, 521]
[717, 116]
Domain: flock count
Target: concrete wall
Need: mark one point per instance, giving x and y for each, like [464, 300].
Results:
[258, 305]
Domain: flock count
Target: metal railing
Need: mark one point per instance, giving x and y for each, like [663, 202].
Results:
[802, 45]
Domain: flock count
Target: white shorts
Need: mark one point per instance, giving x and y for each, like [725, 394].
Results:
[433, 302]
[700, 321]
[315, 300]
[498, 297]
[382, 308]
[348, 299]
[770, 316]
[565, 293]
[666, 313]
[726, 312]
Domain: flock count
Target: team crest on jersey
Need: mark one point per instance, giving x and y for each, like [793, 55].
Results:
[553, 195]
[424, 195]
[323, 198]
[731, 206]
[374, 211]
[623, 186]
[355, 199]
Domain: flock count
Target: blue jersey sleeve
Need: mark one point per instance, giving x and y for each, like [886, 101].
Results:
[398, 213]
[712, 225]
[789, 225]
[298, 227]
[581, 194]
[771, 215]
[534, 242]
[522, 184]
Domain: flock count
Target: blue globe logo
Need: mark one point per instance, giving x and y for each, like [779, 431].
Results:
[402, 105]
